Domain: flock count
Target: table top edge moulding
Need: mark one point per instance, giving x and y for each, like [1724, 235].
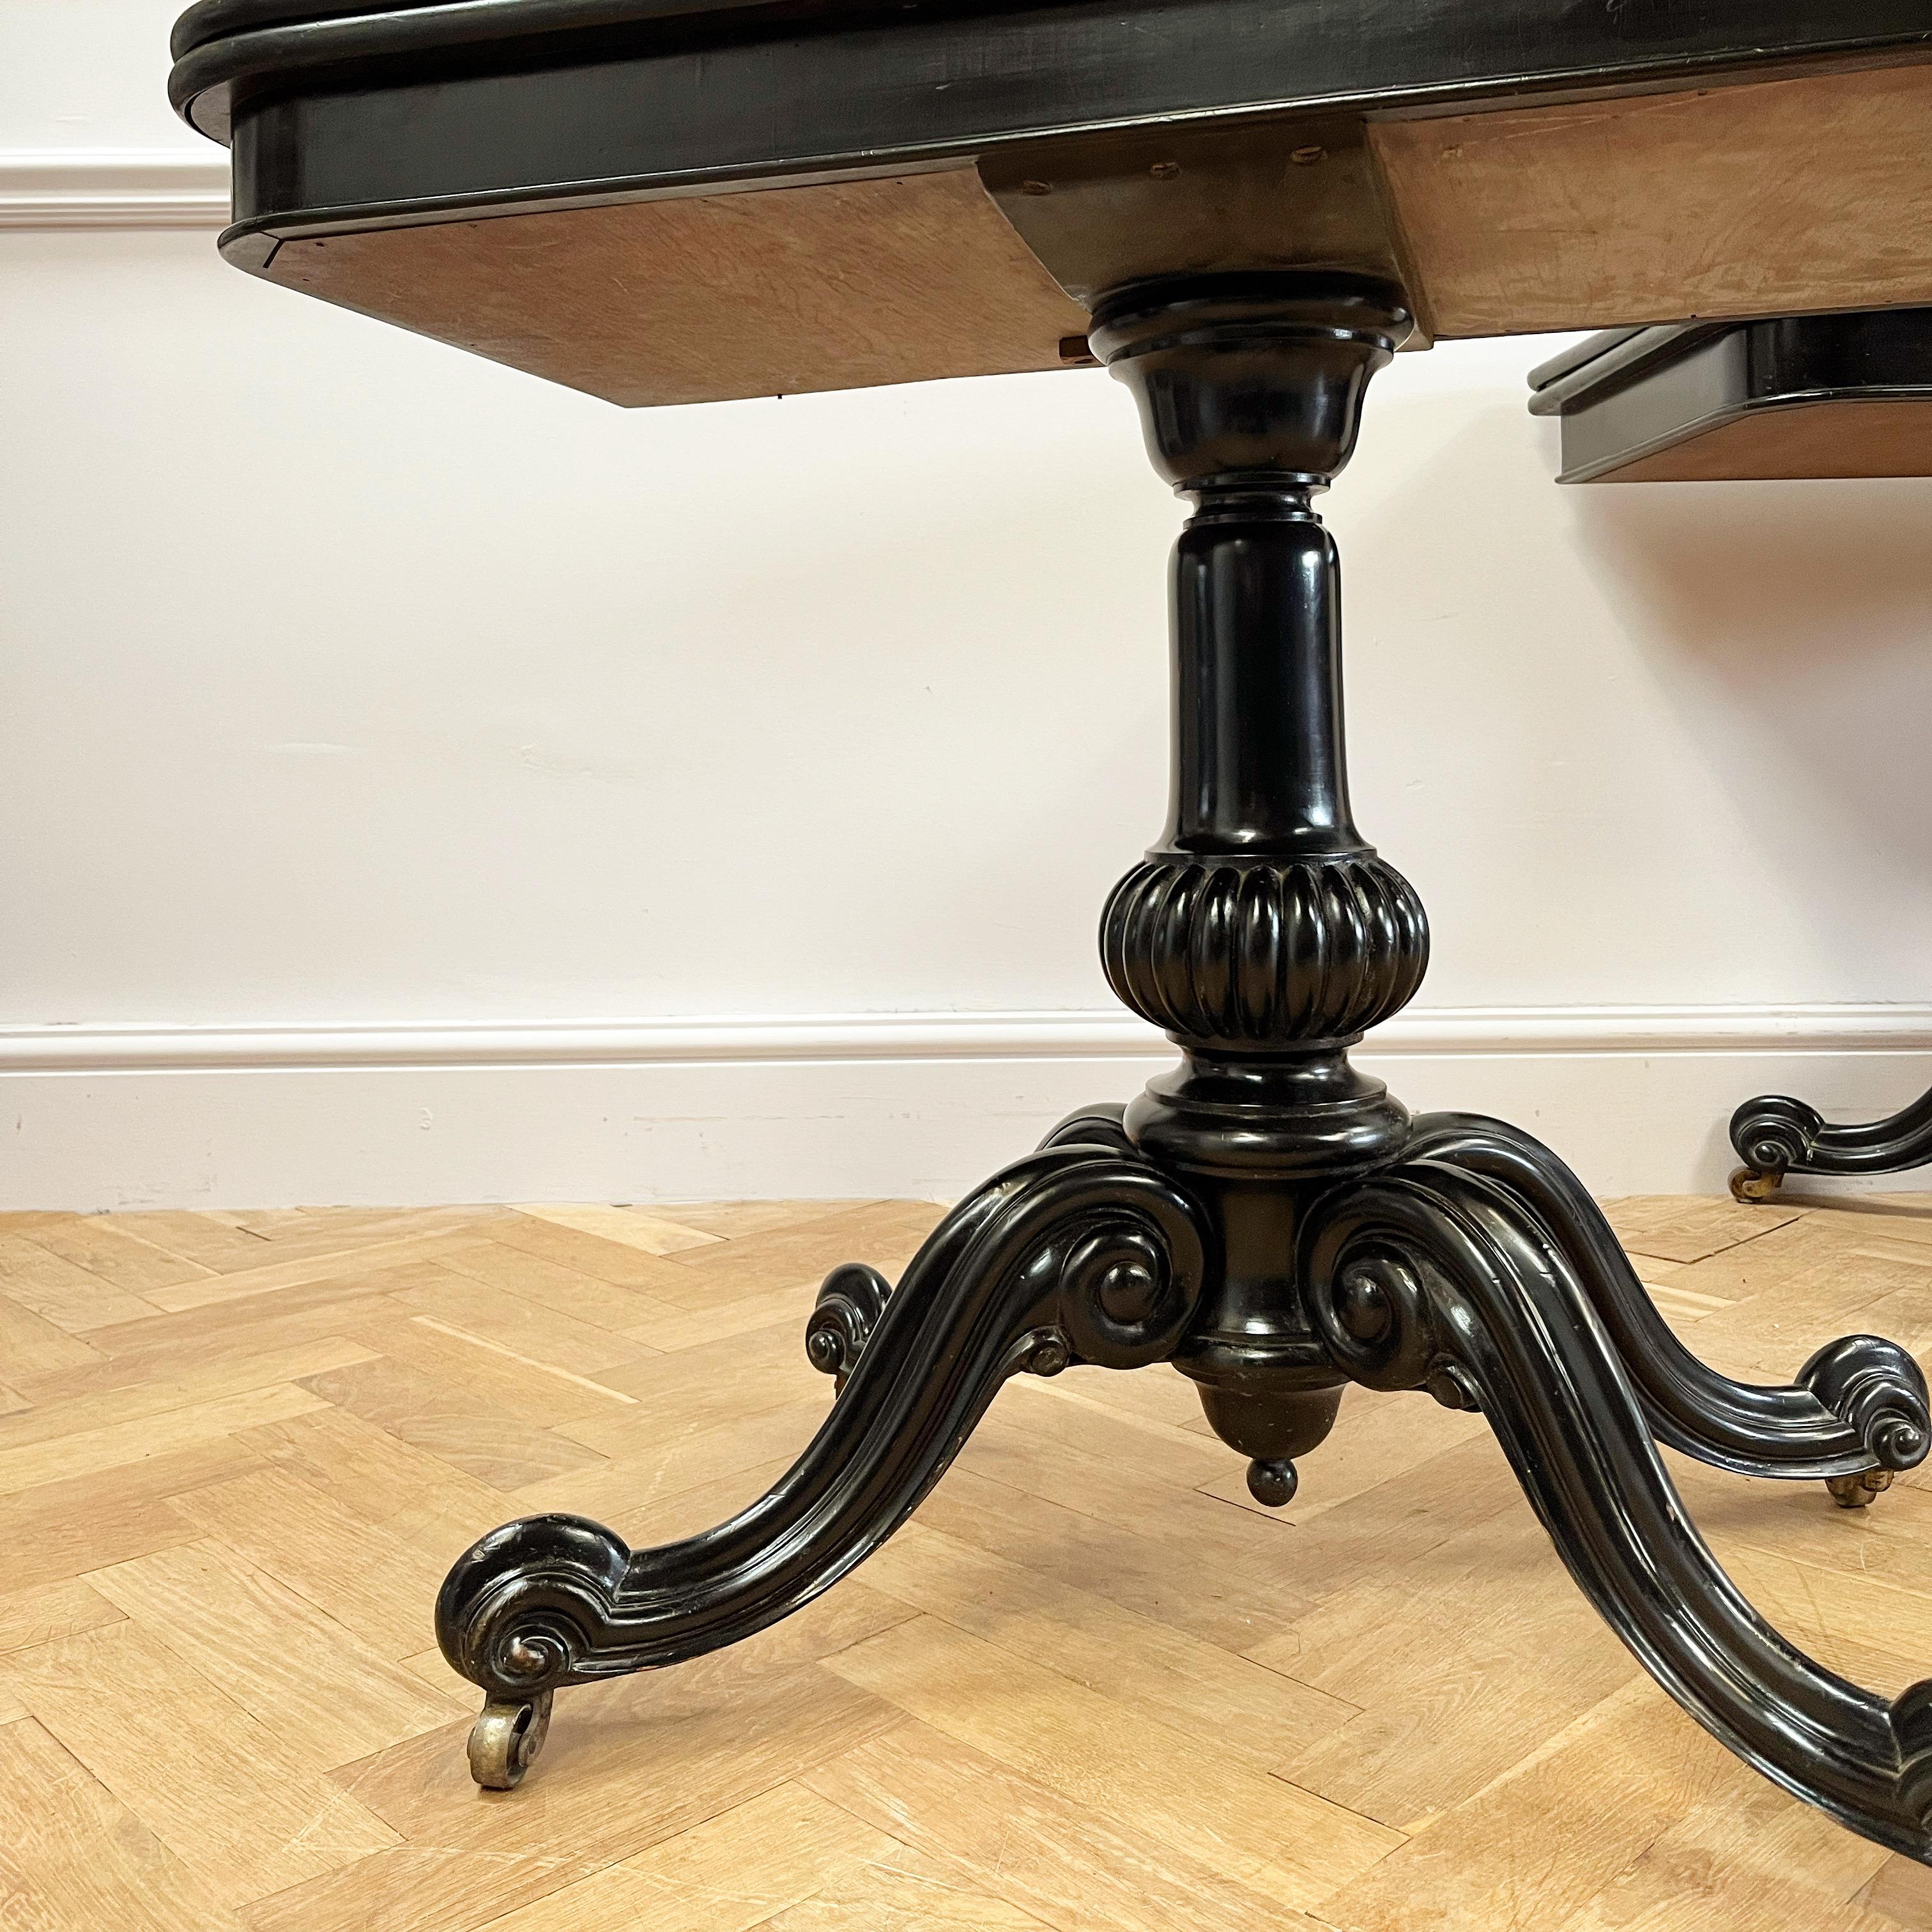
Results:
[1390, 139]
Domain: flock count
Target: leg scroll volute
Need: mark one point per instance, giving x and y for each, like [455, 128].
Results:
[1079, 1253]
[1431, 1276]
[850, 1301]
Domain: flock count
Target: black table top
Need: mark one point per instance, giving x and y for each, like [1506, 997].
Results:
[1111, 59]
[1514, 165]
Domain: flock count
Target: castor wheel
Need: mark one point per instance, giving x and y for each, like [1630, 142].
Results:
[1857, 1490]
[1273, 1482]
[504, 1740]
[1752, 1184]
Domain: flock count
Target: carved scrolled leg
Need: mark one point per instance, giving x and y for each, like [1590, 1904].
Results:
[1775, 1135]
[1858, 1409]
[1077, 1253]
[1428, 1275]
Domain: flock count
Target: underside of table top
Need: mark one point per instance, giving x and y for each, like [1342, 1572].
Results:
[678, 202]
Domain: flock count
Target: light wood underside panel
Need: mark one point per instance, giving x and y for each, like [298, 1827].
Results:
[1811, 193]
[1091, 1687]
[771, 292]
[1871, 438]
[1778, 198]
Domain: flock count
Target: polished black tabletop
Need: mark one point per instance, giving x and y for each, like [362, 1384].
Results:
[910, 75]
[1515, 165]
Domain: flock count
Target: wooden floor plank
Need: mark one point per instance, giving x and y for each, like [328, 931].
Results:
[450, 1420]
[85, 1402]
[350, 1273]
[1130, 1489]
[30, 1345]
[627, 1488]
[380, 1585]
[414, 1887]
[169, 1345]
[245, 1812]
[37, 1275]
[1900, 1894]
[717, 1320]
[730, 1219]
[42, 1613]
[633, 1227]
[1456, 1698]
[1288, 1845]
[24, 1465]
[1538, 1843]
[96, 1243]
[1257, 1713]
[1678, 1227]
[734, 1872]
[905, 1891]
[74, 1858]
[615, 1264]
[380, 1479]
[1746, 1856]
[699, 1388]
[884, 1234]
[329, 1697]
[1219, 1588]
[564, 1289]
[1091, 1684]
[63, 1529]
[1069, 1866]
[506, 1380]
[541, 1335]
[210, 1244]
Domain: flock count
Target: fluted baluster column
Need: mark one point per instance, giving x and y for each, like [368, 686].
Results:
[1262, 932]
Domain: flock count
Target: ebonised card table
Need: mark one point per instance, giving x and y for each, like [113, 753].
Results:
[1243, 208]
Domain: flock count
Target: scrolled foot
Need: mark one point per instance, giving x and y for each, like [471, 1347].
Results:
[1859, 1491]
[1428, 1268]
[1877, 1390]
[506, 1738]
[1775, 1135]
[1772, 1135]
[1078, 1253]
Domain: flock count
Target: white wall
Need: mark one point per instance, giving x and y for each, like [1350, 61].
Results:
[391, 746]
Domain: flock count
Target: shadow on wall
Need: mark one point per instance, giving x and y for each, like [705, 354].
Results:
[1804, 610]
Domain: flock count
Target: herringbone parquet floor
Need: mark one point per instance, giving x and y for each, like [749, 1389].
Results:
[1091, 1687]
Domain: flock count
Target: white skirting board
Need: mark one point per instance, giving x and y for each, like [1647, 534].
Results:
[56, 188]
[923, 1106]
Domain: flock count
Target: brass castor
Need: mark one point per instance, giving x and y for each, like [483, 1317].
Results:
[1754, 1184]
[505, 1740]
[1857, 1490]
